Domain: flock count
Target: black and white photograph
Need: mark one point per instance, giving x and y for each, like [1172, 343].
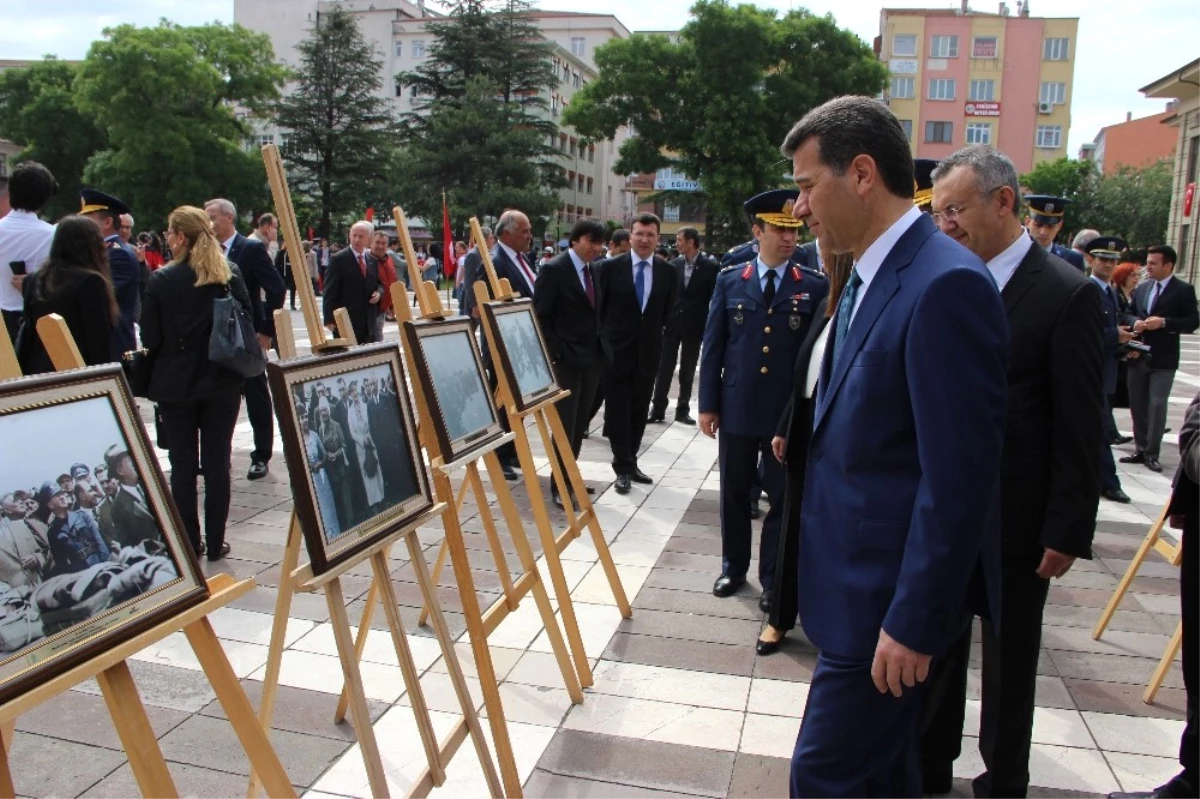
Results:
[522, 351]
[89, 542]
[347, 419]
[454, 384]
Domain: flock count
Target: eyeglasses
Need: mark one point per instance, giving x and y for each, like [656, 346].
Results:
[951, 212]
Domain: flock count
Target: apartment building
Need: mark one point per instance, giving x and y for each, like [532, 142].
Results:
[1135, 143]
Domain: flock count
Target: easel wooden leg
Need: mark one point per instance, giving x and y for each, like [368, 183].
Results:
[136, 734]
[7, 791]
[1127, 579]
[440, 562]
[1160, 672]
[7, 730]
[493, 537]
[360, 715]
[253, 736]
[360, 641]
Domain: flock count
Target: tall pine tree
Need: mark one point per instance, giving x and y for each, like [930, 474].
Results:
[341, 130]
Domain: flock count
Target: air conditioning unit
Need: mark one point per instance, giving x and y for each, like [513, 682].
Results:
[1045, 108]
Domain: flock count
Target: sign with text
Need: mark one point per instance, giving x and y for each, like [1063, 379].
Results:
[670, 180]
[903, 66]
[980, 109]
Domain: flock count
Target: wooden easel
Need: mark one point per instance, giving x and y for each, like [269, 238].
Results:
[1172, 554]
[294, 578]
[480, 624]
[112, 671]
[554, 439]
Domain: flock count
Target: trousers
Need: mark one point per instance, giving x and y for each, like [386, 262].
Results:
[1148, 393]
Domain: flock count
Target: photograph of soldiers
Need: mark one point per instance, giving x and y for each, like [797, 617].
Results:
[525, 351]
[461, 393]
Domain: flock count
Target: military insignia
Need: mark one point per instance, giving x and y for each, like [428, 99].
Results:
[746, 272]
[737, 317]
[794, 321]
[796, 274]
[788, 206]
[804, 295]
[1050, 207]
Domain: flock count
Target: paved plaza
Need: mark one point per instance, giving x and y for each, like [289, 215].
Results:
[681, 704]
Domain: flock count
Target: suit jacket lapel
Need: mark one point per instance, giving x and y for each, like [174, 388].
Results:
[1024, 278]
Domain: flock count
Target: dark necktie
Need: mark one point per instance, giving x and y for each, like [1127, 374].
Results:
[1112, 300]
[528, 272]
[362, 264]
[769, 291]
[844, 310]
[639, 284]
[1157, 294]
[587, 285]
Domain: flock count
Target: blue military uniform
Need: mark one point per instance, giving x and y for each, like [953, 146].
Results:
[744, 253]
[746, 363]
[126, 272]
[1109, 248]
[1047, 210]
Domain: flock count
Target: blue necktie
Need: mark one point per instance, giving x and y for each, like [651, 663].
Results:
[844, 310]
[639, 284]
[1112, 301]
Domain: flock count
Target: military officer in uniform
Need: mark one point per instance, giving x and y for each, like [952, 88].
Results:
[1045, 222]
[757, 320]
[106, 210]
[923, 191]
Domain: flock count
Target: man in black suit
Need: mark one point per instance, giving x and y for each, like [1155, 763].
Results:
[636, 298]
[1049, 483]
[267, 290]
[696, 277]
[565, 303]
[1163, 307]
[472, 270]
[352, 282]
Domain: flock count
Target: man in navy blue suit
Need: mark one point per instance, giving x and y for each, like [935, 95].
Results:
[1045, 222]
[899, 534]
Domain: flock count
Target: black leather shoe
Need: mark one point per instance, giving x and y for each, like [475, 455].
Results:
[727, 586]
[685, 419]
[220, 553]
[641, 477]
[1116, 495]
[1153, 465]
[591, 491]
[623, 484]
[656, 418]
[936, 781]
[1119, 440]
[764, 601]
[507, 469]
[558, 503]
[1136, 457]
[755, 511]
[765, 648]
[258, 470]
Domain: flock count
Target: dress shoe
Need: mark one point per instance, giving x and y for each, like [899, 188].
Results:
[1152, 464]
[219, 553]
[508, 472]
[558, 503]
[685, 419]
[1116, 495]
[656, 418]
[764, 601]
[765, 648]
[1119, 440]
[641, 477]
[727, 585]
[1136, 457]
[623, 484]
[936, 780]
[755, 511]
[258, 470]
[591, 491]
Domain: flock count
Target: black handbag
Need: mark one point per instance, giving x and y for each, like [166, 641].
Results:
[233, 343]
[138, 366]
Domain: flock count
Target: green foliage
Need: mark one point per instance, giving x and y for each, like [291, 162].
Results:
[481, 128]
[38, 111]
[716, 104]
[1069, 179]
[342, 132]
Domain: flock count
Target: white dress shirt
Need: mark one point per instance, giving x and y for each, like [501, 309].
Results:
[648, 273]
[227, 245]
[526, 271]
[815, 361]
[579, 267]
[872, 259]
[1004, 264]
[23, 237]
[1150, 298]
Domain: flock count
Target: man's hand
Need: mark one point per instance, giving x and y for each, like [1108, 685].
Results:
[896, 665]
[264, 342]
[1150, 323]
[1055, 564]
[710, 423]
[375, 297]
[17, 280]
[1124, 334]
[779, 446]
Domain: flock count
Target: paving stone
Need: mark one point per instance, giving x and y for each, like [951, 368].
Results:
[298, 710]
[44, 766]
[164, 686]
[544, 784]
[191, 781]
[693, 627]
[84, 718]
[678, 653]
[702, 604]
[646, 764]
[1115, 697]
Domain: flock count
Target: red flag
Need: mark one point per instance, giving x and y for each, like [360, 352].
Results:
[370, 214]
[449, 262]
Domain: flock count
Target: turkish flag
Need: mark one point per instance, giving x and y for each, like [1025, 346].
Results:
[370, 214]
[449, 262]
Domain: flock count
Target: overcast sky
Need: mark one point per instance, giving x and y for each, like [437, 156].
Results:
[1123, 45]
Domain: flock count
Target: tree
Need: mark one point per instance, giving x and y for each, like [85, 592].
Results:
[341, 129]
[481, 127]
[38, 111]
[1072, 180]
[716, 103]
[165, 98]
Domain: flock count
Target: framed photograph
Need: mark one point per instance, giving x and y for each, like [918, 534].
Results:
[521, 351]
[452, 378]
[351, 447]
[92, 550]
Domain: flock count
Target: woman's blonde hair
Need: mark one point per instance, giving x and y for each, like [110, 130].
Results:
[200, 249]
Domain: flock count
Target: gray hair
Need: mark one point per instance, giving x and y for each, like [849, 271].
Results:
[224, 206]
[486, 231]
[362, 223]
[507, 220]
[1083, 238]
[992, 169]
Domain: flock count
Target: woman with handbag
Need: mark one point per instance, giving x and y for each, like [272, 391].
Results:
[75, 283]
[197, 398]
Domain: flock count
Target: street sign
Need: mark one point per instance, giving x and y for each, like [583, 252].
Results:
[981, 109]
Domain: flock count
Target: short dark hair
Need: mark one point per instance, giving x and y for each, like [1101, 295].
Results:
[1166, 251]
[691, 234]
[847, 127]
[591, 229]
[619, 236]
[31, 186]
[648, 218]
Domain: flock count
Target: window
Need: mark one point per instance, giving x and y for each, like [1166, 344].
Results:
[944, 47]
[1054, 50]
[1049, 136]
[982, 90]
[578, 45]
[266, 138]
[609, 193]
[399, 49]
[904, 45]
[575, 79]
[418, 48]
[903, 88]
[399, 89]
[906, 124]
[4, 166]
[591, 153]
[939, 132]
[582, 148]
[941, 88]
[555, 105]
[670, 213]
[985, 47]
[579, 182]
[1054, 92]
[562, 142]
[566, 72]
[979, 133]
[589, 185]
